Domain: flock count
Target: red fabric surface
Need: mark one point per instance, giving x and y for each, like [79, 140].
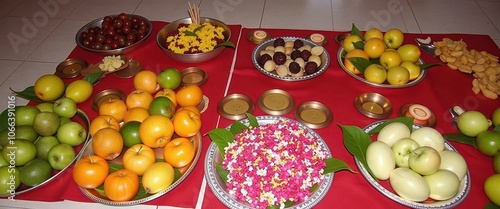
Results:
[441, 89]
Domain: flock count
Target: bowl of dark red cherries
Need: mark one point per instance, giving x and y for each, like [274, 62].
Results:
[114, 34]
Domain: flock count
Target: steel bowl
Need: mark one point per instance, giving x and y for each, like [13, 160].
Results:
[122, 50]
[161, 40]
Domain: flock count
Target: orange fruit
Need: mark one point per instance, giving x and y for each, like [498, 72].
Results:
[354, 53]
[190, 95]
[90, 171]
[138, 98]
[169, 93]
[146, 80]
[113, 107]
[103, 121]
[156, 131]
[136, 114]
[179, 152]
[107, 143]
[138, 158]
[186, 123]
[192, 108]
[121, 185]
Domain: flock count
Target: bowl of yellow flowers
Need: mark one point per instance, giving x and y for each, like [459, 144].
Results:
[196, 41]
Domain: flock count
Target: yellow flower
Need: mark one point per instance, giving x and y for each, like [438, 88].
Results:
[204, 41]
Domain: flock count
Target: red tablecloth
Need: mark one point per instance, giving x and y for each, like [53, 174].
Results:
[441, 89]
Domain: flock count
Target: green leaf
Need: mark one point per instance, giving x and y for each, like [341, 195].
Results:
[198, 28]
[408, 121]
[142, 192]
[28, 93]
[93, 78]
[491, 205]
[237, 127]
[334, 165]
[221, 137]
[314, 188]
[425, 66]
[225, 43]
[114, 167]
[253, 121]
[497, 128]
[177, 174]
[356, 142]
[287, 203]
[359, 45]
[360, 63]
[355, 31]
[222, 172]
[190, 33]
[461, 138]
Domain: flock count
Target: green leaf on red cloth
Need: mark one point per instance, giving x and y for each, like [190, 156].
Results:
[355, 31]
[461, 138]
[428, 65]
[93, 78]
[225, 43]
[28, 93]
[335, 164]
[356, 142]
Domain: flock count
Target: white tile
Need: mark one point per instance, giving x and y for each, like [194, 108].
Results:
[298, 14]
[164, 10]
[7, 5]
[8, 66]
[93, 9]
[245, 13]
[59, 44]
[491, 10]
[447, 16]
[382, 14]
[45, 8]
[21, 35]
[497, 41]
[25, 75]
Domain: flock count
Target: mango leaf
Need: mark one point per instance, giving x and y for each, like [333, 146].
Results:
[334, 165]
[142, 192]
[408, 121]
[355, 31]
[491, 205]
[356, 142]
[114, 167]
[359, 44]
[253, 121]
[360, 63]
[461, 138]
[427, 65]
[177, 174]
[226, 43]
[222, 172]
[93, 78]
[221, 137]
[237, 127]
[198, 28]
[28, 93]
[190, 33]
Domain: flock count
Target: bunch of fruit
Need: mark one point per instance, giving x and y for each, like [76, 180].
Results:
[417, 164]
[158, 117]
[382, 57]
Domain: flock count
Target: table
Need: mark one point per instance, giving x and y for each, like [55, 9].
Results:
[233, 72]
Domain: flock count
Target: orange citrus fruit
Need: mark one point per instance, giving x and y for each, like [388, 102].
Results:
[138, 98]
[113, 107]
[136, 114]
[169, 93]
[190, 95]
[156, 131]
[107, 143]
[354, 53]
[146, 80]
[103, 121]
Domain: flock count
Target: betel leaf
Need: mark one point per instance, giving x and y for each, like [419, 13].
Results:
[427, 65]
[225, 43]
[221, 137]
[28, 93]
[93, 78]
[334, 165]
[355, 31]
[237, 127]
[360, 63]
[253, 120]
[461, 138]
[359, 45]
[356, 142]
[408, 121]
[222, 172]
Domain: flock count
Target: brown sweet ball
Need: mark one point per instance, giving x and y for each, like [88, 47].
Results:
[279, 58]
[295, 54]
[305, 54]
[264, 58]
[311, 67]
[279, 42]
[294, 67]
[297, 43]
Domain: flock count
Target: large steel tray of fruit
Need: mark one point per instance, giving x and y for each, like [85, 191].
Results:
[325, 59]
[100, 197]
[219, 188]
[161, 40]
[340, 58]
[80, 117]
[463, 191]
[97, 23]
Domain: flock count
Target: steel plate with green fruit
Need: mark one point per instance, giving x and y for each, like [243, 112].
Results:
[404, 164]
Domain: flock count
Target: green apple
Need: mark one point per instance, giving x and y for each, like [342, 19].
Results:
[393, 38]
[60, 156]
[380, 159]
[454, 162]
[20, 151]
[409, 52]
[169, 78]
[392, 132]
[390, 58]
[409, 185]
[443, 184]
[46, 107]
[49, 87]
[24, 115]
[26, 132]
[63, 120]
[46, 123]
[424, 160]
[488, 142]
[349, 41]
[495, 117]
[65, 107]
[401, 150]
[492, 189]
[496, 162]
[428, 136]
[162, 106]
[35, 172]
[72, 133]
[472, 122]
[10, 180]
[44, 144]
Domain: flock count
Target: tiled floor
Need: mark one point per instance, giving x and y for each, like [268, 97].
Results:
[36, 35]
